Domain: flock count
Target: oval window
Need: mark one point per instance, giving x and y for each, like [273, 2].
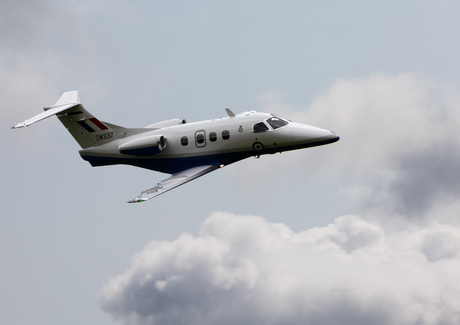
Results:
[213, 136]
[200, 138]
[184, 141]
[225, 135]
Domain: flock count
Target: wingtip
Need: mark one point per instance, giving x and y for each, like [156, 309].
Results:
[19, 125]
[136, 200]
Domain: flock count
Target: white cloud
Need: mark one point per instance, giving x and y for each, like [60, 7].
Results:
[438, 242]
[243, 269]
[398, 151]
[385, 117]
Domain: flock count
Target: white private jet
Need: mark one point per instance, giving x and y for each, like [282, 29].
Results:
[185, 150]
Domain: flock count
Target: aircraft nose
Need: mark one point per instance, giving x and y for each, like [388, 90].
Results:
[332, 136]
[326, 136]
[312, 134]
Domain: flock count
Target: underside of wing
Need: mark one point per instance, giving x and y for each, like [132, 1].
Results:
[174, 181]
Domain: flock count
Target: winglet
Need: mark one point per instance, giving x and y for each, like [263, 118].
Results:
[229, 112]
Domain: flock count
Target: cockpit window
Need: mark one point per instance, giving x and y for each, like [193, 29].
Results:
[259, 127]
[277, 122]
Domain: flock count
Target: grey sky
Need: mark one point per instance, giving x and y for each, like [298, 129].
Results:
[372, 219]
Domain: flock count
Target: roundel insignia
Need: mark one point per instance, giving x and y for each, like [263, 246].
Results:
[240, 129]
[257, 146]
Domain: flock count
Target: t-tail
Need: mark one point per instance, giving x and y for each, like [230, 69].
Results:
[86, 129]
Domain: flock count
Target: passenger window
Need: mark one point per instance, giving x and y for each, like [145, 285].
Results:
[259, 127]
[213, 136]
[184, 141]
[199, 138]
[225, 135]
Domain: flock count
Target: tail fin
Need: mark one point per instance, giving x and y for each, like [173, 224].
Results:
[86, 129]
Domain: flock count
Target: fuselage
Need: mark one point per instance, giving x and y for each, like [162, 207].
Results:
[213, 142]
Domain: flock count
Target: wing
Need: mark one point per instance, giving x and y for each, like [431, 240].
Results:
[174, 181]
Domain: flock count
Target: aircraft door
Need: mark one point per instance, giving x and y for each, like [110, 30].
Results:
[200, 138]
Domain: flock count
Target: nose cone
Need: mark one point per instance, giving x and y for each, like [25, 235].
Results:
[313, 136]
[332, 136]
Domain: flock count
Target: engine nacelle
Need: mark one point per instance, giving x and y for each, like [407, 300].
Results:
[146, 146]
[165, 124]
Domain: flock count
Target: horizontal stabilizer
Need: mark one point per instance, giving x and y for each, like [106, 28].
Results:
[174, 181]
[67, 100]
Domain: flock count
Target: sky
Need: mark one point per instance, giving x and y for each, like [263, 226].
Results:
[365, 230]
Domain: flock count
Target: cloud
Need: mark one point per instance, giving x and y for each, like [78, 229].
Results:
[398, 153]
[426, 177]
[244, 269]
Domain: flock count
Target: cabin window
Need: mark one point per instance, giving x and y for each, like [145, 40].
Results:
[225, 135]
[199, 138]
[212, 136]
[184, 141]
[259, 127]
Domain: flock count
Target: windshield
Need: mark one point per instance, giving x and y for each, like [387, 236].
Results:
[277, 122]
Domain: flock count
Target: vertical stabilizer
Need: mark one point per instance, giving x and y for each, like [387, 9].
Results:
[68, 97]
[86, 129]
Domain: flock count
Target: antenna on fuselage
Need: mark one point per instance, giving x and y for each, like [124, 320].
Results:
[229, 112]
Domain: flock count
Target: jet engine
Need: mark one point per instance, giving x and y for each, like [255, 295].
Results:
[146, 146]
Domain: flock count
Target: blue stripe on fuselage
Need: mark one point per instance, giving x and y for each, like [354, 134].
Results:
[169, 165]
[174, 165]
